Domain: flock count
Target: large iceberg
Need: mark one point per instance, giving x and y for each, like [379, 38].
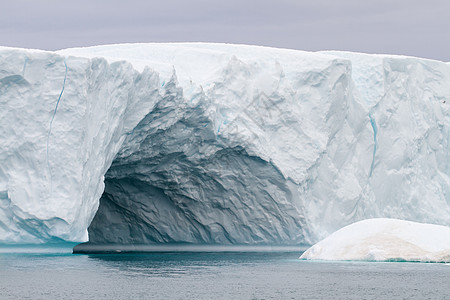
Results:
[217, 144]
[385, 240]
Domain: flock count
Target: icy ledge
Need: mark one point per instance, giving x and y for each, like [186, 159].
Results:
[385, 240]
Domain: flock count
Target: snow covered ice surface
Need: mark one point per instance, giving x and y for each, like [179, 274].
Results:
[217, 144]
[385, 240]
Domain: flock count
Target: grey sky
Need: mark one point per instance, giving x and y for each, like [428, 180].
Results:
[411, 27]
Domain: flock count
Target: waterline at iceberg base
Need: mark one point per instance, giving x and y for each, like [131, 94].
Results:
[215, 144]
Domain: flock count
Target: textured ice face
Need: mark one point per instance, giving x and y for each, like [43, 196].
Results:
[62, 122]
[219, 143]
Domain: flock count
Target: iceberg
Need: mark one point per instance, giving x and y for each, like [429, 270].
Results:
[385, 240]
[217, 144]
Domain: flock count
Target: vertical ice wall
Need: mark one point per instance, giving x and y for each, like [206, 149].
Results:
[62, 120]
[407, 103]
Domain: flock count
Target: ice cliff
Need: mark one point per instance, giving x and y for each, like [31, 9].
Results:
[217, 144]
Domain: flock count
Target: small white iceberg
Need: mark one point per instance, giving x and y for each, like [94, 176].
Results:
[385, 240]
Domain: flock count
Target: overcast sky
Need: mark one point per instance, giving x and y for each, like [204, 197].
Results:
[411, 27]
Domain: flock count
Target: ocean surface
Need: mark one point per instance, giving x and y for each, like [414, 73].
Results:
[213, 275]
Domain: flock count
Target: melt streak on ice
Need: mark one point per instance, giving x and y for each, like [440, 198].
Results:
[217, 144]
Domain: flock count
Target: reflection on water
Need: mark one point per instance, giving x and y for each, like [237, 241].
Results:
[182, 263]
[213, 276]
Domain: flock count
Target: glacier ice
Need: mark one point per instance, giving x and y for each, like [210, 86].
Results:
[385, 240]
[53, 159]
[217, 144]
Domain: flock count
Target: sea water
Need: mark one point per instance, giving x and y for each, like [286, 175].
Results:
[206, 275]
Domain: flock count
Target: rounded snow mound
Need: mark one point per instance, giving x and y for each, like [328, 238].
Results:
[385, 240]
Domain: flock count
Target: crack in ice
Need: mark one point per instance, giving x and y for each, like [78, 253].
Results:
[24, 66]
[375, 131]
[51, 121]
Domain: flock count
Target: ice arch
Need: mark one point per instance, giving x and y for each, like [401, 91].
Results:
[174, 181]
